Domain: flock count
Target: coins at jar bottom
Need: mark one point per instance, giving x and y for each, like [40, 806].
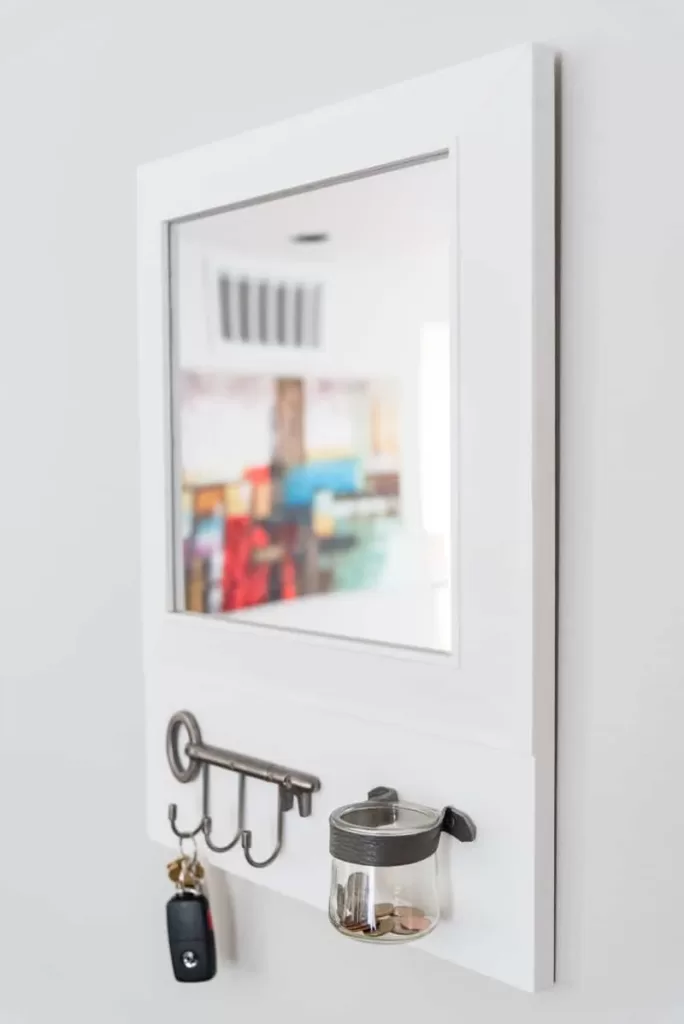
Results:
[389, 920]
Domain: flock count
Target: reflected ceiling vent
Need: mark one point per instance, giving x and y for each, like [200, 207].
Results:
[256, 311]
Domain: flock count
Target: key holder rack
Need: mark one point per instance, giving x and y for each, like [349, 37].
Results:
[292, 785]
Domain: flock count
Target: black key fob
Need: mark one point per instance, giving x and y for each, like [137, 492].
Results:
[191, 937]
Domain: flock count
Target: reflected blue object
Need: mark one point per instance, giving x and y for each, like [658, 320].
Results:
[339, 476]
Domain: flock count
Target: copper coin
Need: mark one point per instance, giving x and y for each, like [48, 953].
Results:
[413, 925]
[355, 926]
[383, 910]
[407, 912]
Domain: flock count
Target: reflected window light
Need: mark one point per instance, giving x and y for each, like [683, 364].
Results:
[435, 446]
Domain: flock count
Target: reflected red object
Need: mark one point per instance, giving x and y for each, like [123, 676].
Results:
[289, 580]
[258, 475]
[246, 582]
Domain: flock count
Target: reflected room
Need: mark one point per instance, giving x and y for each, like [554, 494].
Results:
[311, 405]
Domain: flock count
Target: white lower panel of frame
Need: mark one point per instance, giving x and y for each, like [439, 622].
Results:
[493, 921]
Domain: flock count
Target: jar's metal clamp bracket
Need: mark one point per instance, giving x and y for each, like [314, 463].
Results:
[455, 823]
[292, 785]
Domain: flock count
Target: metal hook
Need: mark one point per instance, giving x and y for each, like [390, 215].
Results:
[173, 817]
[206, 816]
[186, 761]
[184, 773]
[285, 801]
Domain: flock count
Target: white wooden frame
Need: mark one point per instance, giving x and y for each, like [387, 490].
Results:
[476, 727]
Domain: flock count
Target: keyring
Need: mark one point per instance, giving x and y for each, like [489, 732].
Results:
[195, 851]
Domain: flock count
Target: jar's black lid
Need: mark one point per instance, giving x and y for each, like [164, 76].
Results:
[384, 833]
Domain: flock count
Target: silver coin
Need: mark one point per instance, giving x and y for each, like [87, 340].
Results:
[341, 895]
[356, 896]
[383, 927]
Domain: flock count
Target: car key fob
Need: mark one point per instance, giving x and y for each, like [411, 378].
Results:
[191, 937]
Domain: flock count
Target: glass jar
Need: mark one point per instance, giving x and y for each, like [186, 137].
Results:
[384, 870]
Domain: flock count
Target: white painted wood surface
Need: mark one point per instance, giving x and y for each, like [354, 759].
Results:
[474, 728]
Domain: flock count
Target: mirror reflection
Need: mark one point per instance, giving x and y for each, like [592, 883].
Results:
[311, 399]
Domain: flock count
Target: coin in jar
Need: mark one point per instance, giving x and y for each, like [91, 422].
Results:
[383, 927]
[383, 910]
[356, 895]
[355, 926]
[407, 912]
[340, 900]
[412, 925]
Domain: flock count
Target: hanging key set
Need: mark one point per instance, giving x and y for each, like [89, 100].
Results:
[188, 916]
[188, 921]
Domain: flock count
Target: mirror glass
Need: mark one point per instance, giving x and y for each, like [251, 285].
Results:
[311, 409]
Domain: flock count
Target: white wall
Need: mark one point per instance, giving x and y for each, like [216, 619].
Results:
[87, 91]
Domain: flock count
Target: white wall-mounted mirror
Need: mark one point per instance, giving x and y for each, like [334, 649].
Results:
[312, 408]
[347, 407]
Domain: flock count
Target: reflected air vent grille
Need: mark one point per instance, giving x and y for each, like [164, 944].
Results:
[256, 311]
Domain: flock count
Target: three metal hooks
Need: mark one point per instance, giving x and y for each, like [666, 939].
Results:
[292, 785]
